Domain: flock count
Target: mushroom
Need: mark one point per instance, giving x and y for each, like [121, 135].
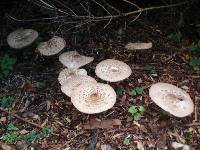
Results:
[74, 81]
[21, 38]
[172, 99]
[91, 98]
[138, 46]
[112, 70]
[52, 46]
[67, 73]
[73, 60]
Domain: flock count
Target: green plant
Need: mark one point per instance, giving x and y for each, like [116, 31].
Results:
[6, 101]
[47, 130]
[136, 91]
[120, 91]
[11, 137]
[151, 69]
[176, 37]
[32, 136]
[6, 65]
[11, 127]
[136, 112]
[195, 47]
[126, 141]
[195, 63]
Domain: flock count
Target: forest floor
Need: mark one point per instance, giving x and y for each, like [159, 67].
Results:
[39, 105]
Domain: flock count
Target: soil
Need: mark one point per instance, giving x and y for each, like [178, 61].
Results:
[35, 88]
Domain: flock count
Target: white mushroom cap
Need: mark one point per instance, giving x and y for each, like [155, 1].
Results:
[138, 46]
[91, 98]
[75, 81]
[74, 60]
[21, 38]
[172, 99]
[68, 73]
[52, 46]
[112, 70]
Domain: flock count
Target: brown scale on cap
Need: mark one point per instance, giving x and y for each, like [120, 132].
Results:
[52, 46]
[68, 73]
[91, 98]
[73, 60]
[112, 70]
[74, 82]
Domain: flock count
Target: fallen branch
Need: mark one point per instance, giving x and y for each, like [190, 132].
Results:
[20, 118]
[100, 18]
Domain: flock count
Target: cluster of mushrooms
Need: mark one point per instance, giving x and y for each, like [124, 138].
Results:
[90, 96]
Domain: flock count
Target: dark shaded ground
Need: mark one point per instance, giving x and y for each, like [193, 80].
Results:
[156, 129]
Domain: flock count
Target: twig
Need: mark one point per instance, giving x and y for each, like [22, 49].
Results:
[132, 4]
[193, 124]
[102, 18]
[20, 118]
[112, 7]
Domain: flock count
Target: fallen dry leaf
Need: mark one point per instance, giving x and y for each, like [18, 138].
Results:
[105, 124]
[106, 147]
[177, 145]
[27, 87]
[138, 46]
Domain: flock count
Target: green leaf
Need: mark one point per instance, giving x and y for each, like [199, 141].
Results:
[32, 136]
[126, 141]
[133, 92]
[137, 116]
[47, 130]
[133, 110]
[120, 91]
[6, 101]
[11, 127]
[195, 46]
[11, 137]
[176, 37]
[150, 68]
[141, 109]
[195, 62]
[139, 90]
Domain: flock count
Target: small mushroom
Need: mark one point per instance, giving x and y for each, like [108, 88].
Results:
[21, 38]
[67, 73]
[112, 70]
[138, 46]
[91, 98]
[52, 46]
[73, 60]
[74, 81]
[172, 99]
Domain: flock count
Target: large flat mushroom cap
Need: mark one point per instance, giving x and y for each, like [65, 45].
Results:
[75, 81]
[21, 38]
[172, 99]
[67, 73]
[91, 98]
[112, 70]
[52, 46]
[74, 60]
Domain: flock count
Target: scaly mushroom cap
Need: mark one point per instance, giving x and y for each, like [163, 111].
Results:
[74, 60]
[51, 47]
[172, 99]
[112, 70]
[91, 98]
[68, 73]
[21, 38]
[76, 80]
